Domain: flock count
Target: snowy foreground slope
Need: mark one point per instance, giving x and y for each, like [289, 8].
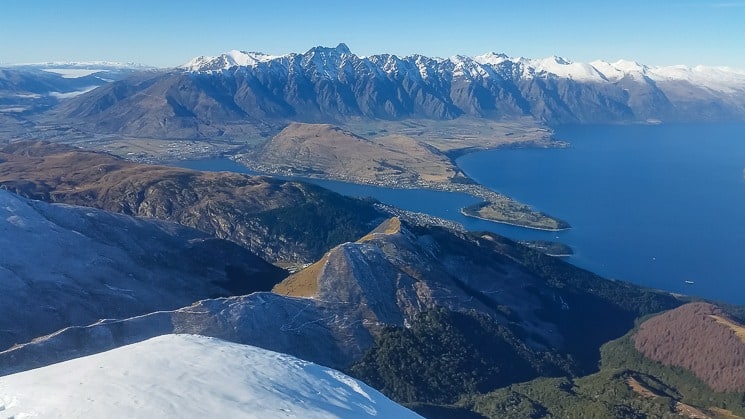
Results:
[190, 376]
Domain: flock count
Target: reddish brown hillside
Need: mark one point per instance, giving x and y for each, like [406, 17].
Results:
[700, 338]
[278, 220]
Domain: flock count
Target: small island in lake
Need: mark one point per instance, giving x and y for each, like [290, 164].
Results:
[511, 212]
[548, 247]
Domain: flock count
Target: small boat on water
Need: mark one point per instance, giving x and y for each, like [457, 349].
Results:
[689, 282]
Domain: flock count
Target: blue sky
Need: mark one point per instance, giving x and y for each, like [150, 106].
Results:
[169, 33]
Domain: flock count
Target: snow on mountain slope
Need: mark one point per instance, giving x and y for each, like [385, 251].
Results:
[327, 61]
[225, 61]
[63, 265]
[178, 376]
[723, 79]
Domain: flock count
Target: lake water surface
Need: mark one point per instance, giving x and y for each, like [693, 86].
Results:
[655, 205]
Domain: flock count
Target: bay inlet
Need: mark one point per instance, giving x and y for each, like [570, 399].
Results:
[656, 205]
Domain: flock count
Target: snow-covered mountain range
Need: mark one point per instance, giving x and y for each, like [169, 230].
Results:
[191, 376]
[242, 94]
[330, 62]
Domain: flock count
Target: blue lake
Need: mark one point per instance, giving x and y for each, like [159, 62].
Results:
[654, 205]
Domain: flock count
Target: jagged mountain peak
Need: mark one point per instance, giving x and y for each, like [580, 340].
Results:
[328, 60]
[233, 94]
[230, 59]
[340, 50]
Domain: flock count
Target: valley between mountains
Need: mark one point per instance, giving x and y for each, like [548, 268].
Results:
[322, 304]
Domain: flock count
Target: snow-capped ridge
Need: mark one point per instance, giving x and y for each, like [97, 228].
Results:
[327, 62]
[191, 376]
[491, 58]
[230, 59]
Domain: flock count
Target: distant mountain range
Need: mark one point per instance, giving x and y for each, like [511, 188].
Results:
[240, 92]
[31, 88]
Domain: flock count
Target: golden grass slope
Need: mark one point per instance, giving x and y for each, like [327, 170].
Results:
[305, 282]
[328, 151]
[737, 328]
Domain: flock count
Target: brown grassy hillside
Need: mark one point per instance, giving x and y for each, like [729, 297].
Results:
[700, 338]
[329, 151]
[278, 220]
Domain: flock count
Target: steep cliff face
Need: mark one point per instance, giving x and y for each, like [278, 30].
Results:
[277, 220]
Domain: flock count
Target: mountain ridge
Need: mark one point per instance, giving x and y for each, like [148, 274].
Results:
[277, 220]
[237, 95]
[64, 265]
[387, 279]
[597, 70]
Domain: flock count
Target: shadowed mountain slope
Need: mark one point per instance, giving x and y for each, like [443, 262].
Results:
[332, 312]
[278, 220]
[63, 265]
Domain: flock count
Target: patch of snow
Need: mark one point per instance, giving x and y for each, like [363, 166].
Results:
[191, 376]
[72, 73]
[491, 58]
[567, 69]
[228, 60]
[16, 221]
[722, 79]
